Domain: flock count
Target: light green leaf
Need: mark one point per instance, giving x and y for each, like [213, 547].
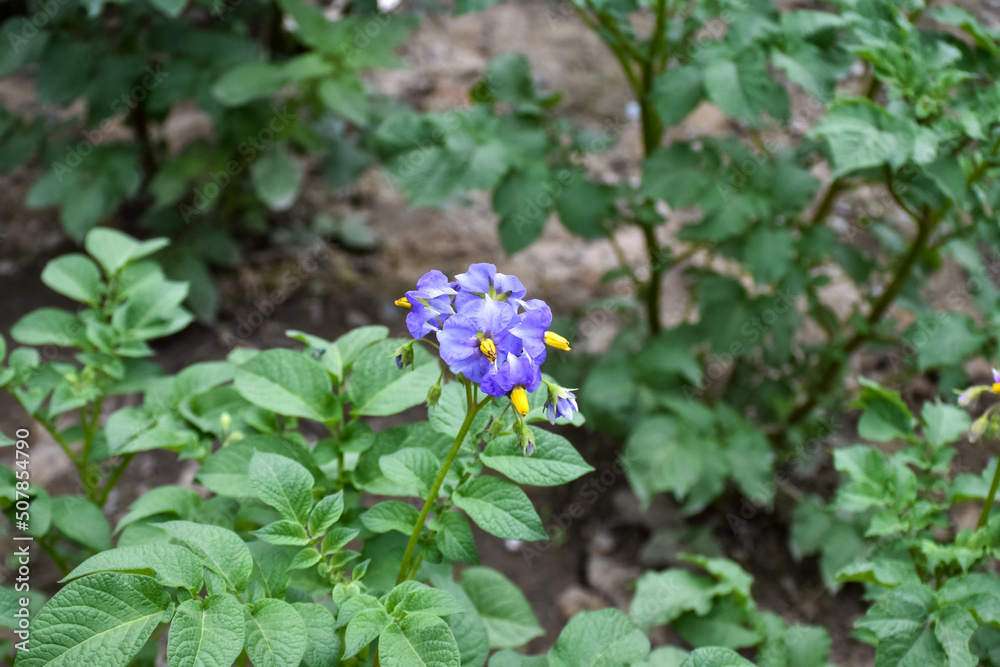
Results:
[419, 640]
[661, 459]
[605, 638]
[469, 630]
[329, 353]
[943, 423]
[50, 326]
[103, 619]
[206, 633]
[326, 513]
[283, 484]
[75, 276]
[282, 532]
[715, 657]
[391, 515]
[248, 82]
[324, 642]
[277, 178]
[171, 8]
[379, 388]
[114, 250]
[171, 565]
[660, 597]
[412, 468]
[363, 628]
[356, 341]
[901, 622]
[677, 92]
[82, 521]
[221, 550]
[554, 462]
[275, 634]
[500, 508]
[455, 539]
[287, 383]
[523, 205]
[509, 619]
[226, 472]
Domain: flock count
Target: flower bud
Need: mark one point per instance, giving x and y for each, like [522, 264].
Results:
[434, 394]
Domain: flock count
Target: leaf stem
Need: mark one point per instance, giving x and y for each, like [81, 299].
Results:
[113, 480]
[988, 504]
[418, 529]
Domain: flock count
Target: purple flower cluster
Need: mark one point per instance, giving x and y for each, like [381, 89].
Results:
[488, 333]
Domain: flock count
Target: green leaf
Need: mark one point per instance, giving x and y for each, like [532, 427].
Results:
[660, 597]
[412, 468]
[288, 383]
[275, 634]
[344, 95]
[391, 515]
[743, 88]
[874, 482]
[173, 9]
[329, 352]
[277, 178]
[226, 472]
[171, 565]
[715, 657]
[661, 459]
[75, 276]
[114, 250]
[82, 521]
[677, 92]
[419, 640]
[523, 204]
[324, 642]
[554, 462]
[500, 508]
[886, 415]
[206, 633]
[605, 638]
[363, 628]
[326, 513]
[725, 625]
[862, 135]
[221, 550]
[248, 82]
[50, 326]
[101, 619]
[282, 532]
[468, 628]
[454, 538]
[943, 423]
[584, 206]
[356, 341]
[945, 339]
[901, 622]
[378, 388]
[509, 619]
[413, 596]
[283, 484]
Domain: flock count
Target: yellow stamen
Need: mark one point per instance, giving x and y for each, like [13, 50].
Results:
[996, 387]
[489, 349]
[519, 399]
[402, 302]
[553, 339]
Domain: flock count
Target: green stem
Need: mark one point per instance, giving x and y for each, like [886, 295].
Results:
[56, 558]
[473, 409]
[113, 480]
[58, 438]
[988, 505]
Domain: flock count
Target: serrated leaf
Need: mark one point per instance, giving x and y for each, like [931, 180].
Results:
[206, 633]
[500, 508]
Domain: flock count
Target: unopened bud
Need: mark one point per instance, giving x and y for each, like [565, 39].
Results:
[434, 394]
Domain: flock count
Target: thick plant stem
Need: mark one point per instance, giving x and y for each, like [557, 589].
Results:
[988, 505]
[418, 529]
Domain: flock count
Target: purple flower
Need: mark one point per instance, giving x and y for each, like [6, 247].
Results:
[484, 280]
[561, 402]
[517, 376]
[535, 321]
[472, 339]
[430, 304]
